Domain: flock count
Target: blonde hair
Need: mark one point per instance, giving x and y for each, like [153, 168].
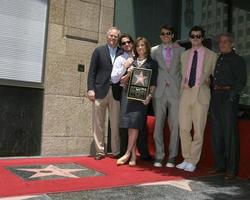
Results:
[113, 28]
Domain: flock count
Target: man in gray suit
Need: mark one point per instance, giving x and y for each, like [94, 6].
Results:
[167, 94]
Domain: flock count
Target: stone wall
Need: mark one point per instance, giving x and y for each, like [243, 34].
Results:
[75, 28]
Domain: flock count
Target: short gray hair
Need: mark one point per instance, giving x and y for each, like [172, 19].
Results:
[113, 28]
[228, 35]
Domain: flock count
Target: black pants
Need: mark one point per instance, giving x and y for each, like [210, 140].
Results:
[225, 137]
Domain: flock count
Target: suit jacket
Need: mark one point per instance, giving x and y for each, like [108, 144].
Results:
[209, 62]
[168, 78]
[100, 73]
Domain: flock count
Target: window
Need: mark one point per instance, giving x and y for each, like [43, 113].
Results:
[240, 19]
[248, 17]
[248, 31]
[218, 12]
[22, 39]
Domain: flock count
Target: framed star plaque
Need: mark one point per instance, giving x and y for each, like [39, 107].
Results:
[139, 84]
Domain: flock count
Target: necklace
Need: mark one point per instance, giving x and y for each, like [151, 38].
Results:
[140, 62]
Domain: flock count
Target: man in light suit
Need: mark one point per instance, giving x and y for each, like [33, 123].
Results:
[197, 65]
[167, 94]
[103, 94]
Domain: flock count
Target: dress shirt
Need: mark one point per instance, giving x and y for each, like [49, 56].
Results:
[118, 69]
[112, 53]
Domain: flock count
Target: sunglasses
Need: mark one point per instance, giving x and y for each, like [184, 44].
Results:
[127, 42]
[195, 36]
[166, 33]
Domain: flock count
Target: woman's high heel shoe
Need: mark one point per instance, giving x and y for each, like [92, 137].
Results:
[123, 159]
[132, 161]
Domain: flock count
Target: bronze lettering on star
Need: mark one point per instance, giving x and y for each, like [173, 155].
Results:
[139, 84]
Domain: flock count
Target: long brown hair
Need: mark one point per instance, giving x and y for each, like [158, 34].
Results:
[145, 41]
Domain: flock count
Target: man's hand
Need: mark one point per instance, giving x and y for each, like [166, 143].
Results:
[130, 70]
[207, 82]
[91, 95]
[128, 62]
[124, 79]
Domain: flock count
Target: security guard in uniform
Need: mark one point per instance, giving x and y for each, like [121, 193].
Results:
[229, 79]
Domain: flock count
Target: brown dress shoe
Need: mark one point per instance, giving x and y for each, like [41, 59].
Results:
[216, 171]
[99, 157]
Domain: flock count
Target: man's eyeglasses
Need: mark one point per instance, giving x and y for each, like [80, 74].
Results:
[195, 36]
[127, 42]
[166, 33]
[113, 36]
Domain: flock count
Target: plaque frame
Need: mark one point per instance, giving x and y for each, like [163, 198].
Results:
[139, 84]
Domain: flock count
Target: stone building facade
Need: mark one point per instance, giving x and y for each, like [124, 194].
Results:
[75, 28]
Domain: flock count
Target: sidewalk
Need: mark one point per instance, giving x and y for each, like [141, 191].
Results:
[205, 188]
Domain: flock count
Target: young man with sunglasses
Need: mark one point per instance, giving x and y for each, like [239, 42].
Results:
[197, 65]
[167, 95]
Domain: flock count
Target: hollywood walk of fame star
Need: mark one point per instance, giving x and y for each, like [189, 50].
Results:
[51, 170]
[140, 78]
[182, 184]
[22, 197]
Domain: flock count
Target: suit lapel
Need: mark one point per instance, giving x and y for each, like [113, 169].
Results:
[107, 54]
[161, 58]
[118, 52]
[174, 57]
[185, 61]
[205, 62]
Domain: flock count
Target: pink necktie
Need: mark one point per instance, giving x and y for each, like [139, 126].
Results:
[168, 56]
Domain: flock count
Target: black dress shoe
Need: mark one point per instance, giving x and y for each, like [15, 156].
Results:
[99, 157]
[146, 158]
[216, 171]
[230, 177]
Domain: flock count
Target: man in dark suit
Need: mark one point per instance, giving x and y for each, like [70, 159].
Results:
[103, 94]
[229, 78]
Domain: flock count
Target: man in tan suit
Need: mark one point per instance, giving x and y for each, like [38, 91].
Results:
[197, 65]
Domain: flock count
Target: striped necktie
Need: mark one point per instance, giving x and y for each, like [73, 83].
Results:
[168, 56]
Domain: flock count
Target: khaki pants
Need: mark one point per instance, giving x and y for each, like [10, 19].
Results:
[99, 108]
[192, 112]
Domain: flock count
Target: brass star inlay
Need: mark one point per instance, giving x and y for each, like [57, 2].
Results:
[182, 184]
[51, 170]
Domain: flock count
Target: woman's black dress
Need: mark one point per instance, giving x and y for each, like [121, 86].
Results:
[133, 112]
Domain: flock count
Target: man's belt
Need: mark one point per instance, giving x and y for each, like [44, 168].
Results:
[217, 87]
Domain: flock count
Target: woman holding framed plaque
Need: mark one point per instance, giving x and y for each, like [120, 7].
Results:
[143, 74]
